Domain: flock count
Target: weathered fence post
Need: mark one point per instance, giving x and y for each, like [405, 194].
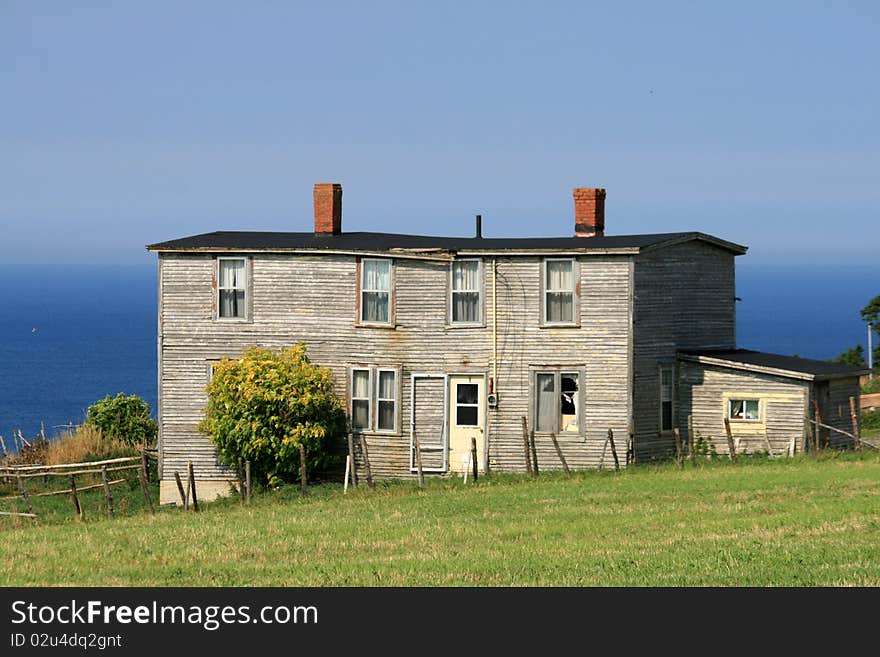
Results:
[525, 432]
[367, 470]
[559, 454]
[302, 468]
[354, 477]
[418, 455]
[191, 485]
[630, 445]
[534, 452]
[77, 509]
[474, 456]
[813, 442]
[107, 497]
[184, 498]
[24, 494]
[3, 445]
[144, 462]
[613, 449]
[145, 488]
[679, 450]
[731, 450]
[248, 484]
[857, 436]
[818, 424]
[692, 439]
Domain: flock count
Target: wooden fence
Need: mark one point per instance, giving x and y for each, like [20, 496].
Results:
[68, 472]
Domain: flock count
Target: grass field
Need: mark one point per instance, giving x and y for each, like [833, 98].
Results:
[761, 522]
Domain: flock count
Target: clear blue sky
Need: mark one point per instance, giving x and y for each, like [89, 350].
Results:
[128, 123]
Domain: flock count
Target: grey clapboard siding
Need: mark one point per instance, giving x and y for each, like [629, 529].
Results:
[313, 299]
[683, 299]
[702, 390]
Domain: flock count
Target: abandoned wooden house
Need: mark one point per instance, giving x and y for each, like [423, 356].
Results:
[448, 339]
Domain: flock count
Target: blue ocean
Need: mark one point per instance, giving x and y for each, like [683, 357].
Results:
[69, 335]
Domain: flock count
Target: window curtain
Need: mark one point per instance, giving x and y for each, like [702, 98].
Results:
[231, 288]
[376, 285]
[465, 291]
[560, 291]
[386, 401]
[546, 411]
[360, 399]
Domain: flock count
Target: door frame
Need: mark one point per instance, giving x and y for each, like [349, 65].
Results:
[484, 462]
[444, 434]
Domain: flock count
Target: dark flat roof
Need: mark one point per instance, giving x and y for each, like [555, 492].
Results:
[807, 367]
[269, 241]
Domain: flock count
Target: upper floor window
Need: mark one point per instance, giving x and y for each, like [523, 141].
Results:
[559, 291]
[466, 285]
[375, 291]
[666, 397]
[231, 288]
[744, 409]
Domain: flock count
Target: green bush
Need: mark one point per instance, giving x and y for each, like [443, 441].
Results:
[872, 386]
[265, 404]
[122, 418]
[870, 420]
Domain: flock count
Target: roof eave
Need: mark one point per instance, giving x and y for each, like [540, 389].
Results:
[733, 247]
[763, 369]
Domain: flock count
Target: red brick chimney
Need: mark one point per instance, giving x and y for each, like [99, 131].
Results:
[589, 212]
[328, 209]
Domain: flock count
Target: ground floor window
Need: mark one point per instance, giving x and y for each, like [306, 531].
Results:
[744, 409]
[557, 401]
[373, 396]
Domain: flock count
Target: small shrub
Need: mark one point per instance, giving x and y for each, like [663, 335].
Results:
[872, 386]
[122, 418]
[870, 420]
[265, 404]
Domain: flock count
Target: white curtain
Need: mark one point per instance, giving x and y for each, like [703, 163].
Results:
[560, 301]
[560, 276]
[546, 415]
[232, 285]
[386, 401]
[376, 285]
[465, 291]
[360, 399]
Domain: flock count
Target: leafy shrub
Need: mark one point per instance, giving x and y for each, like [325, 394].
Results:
[265, 404]
[122, 418]
[872, 386]
[870, 421]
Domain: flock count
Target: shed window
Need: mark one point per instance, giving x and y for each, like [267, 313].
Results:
[557, 402]
[466, 292]
[231, 288]
[666, 420]
[559, 291]
[744, 409]
[376, 291]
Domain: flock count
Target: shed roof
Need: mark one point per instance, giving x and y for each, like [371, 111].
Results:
[788, 366]
[361, 241]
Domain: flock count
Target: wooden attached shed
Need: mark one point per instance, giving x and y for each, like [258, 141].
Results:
[766, 397]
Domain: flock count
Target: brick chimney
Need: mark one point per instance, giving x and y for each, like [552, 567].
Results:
[328, 209]
[589, 212]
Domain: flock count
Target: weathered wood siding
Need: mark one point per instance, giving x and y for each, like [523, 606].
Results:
[683, 299]
[314, 299]
[834, 408]
[702, 390]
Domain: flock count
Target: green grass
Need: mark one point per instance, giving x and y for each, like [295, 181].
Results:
[762, 522]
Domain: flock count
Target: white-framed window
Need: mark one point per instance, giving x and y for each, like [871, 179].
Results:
[667, 418]
[559, 284]
[361, 406]
[375, 287]
[467, 404]
[374, 399]
[465, 301]
[557, 401]
[231, 288]
[386, 400]
[744, 410]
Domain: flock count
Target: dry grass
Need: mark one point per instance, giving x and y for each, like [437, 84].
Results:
[84, 443]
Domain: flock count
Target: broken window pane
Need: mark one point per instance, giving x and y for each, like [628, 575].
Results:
[569, 402]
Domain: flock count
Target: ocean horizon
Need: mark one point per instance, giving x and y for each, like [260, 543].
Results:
[72, 334]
